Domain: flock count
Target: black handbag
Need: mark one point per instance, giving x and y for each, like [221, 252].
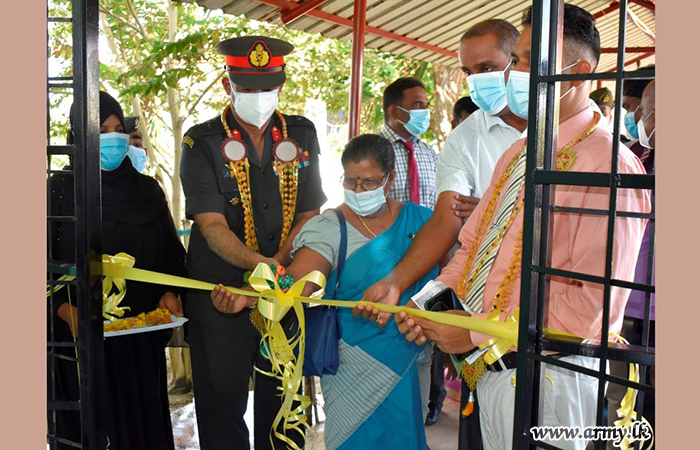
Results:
[322, 328]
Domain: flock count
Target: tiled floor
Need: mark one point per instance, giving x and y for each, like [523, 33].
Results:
[441, 436]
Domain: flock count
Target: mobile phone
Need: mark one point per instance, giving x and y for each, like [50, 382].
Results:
[445, 300]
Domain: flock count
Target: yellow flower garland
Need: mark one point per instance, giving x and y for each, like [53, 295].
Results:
[288, 174]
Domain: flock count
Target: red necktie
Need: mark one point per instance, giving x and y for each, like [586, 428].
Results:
[412, 172]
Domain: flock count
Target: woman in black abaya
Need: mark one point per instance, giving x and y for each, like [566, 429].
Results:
[135, 220]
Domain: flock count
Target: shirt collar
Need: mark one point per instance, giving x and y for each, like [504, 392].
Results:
[396, 136]
[587, 117]
[575, 126]
[492, 121]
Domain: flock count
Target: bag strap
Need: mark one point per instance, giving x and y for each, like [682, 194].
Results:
[342, 251]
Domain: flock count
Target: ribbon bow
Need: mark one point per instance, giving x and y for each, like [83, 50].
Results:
[110, 301]
[500, 345]
[273, 304]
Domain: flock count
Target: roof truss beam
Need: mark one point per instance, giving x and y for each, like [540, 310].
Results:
[303, 8]
[285, 6]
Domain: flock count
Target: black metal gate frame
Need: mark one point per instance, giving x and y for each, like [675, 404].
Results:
[87, 220]
[547, 35]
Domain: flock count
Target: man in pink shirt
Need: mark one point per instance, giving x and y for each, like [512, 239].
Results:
[578, 245]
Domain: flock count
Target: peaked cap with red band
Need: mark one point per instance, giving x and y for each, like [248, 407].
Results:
[255, 62]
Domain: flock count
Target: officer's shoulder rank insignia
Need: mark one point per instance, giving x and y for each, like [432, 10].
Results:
[259, 54]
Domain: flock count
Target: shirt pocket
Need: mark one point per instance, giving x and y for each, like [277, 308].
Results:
[228, 187]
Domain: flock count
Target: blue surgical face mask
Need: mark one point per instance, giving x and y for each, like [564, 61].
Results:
[138, 158]
[367, 202]
[113, 149]
[518, 91]
[488, 90]
[419, 120]
[631, 124]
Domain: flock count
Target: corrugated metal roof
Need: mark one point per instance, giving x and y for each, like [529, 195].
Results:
[438, 22]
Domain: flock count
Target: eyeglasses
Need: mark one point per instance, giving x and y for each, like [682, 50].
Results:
[367, 184]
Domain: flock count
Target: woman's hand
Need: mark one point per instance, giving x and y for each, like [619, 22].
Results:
[381, 292]
[227, 302]
[69, 314]
[173, 304]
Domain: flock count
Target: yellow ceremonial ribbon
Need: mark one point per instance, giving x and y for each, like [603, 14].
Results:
[110, 304]
[274, 303]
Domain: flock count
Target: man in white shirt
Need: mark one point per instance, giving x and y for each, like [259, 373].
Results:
[466, 163]
[468, 159]
[471, 152]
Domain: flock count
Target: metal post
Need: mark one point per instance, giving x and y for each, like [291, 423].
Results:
[358, 47]
[543, 118]
[537, 232]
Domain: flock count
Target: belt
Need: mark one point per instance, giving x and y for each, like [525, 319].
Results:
[638, 324]
[509, 360]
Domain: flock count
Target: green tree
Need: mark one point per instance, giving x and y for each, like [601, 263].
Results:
[162, 63]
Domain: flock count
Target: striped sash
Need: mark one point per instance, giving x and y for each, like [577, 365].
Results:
[492, 240]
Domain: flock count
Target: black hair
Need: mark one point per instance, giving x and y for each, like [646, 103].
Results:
[505, 31]
[370, 146]
[579, 31]
[393, 93]
[635, 88]
[463, 104]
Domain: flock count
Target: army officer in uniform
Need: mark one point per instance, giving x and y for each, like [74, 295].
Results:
[251, 180]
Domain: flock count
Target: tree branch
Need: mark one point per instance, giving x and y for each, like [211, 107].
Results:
[136, 18]
[204, 92]
[104, 11]
[165, 170]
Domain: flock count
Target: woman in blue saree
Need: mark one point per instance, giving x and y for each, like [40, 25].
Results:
[373, 401]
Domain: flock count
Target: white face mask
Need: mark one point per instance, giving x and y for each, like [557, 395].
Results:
[644, 140]
[367, 202]
[255, 108]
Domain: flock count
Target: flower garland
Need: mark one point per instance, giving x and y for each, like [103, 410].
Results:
[288, 173]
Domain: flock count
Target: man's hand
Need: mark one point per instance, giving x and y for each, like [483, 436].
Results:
[464, 206]
[268, 261]
[449, 339]
[409, 326]
[283, 258]
[382, 291]
[227, 302]
[173, 304]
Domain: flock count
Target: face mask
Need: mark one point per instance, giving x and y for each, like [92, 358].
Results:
[631, 124]
[255, 108]
[488, 90]
[138, 158]
[113, 148]
[518, 91]
[418, 122]
[643, 138]
[367, 202]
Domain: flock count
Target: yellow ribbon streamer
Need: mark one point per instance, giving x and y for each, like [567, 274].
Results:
[626, 412]
[273, 304]
[110, 303]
